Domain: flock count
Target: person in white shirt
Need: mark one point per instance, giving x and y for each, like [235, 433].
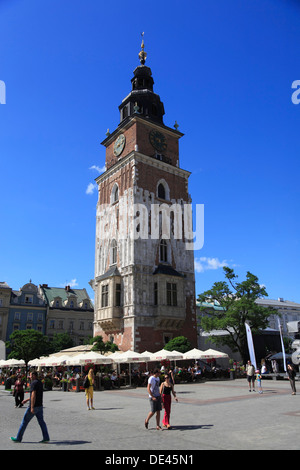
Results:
[155, 398]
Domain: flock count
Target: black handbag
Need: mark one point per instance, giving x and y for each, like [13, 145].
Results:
[86, 382]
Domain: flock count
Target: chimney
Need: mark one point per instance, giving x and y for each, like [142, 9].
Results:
[67, 288]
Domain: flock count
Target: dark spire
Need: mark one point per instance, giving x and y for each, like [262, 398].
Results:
[142, 54]
[142, 100]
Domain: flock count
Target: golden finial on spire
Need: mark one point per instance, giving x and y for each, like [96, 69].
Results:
[142, 53]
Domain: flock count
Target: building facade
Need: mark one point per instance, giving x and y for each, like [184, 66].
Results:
[27, 310]
[68, 311]
[144, 274]
[285, 311]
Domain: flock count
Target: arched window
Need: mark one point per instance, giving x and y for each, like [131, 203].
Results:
[161, 193]
[162, 190]
[163, 251]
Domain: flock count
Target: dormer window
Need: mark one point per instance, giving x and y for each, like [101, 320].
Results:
[28, 299]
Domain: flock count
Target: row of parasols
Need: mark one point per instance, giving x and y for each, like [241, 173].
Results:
[93, 357]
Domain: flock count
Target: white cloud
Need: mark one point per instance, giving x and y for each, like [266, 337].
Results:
[97, 168]
[204, 264]
[91, 188]
[72, 283]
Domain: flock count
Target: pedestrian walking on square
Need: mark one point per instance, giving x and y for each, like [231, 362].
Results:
[292, 374]
[35, 408]
[250, 371]
[155, 398]
[166, 389]
[89, 392]
[19, 392]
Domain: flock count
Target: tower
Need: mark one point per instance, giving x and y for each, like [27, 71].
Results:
[144, 276]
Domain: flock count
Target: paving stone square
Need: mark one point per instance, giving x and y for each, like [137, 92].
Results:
[215, 415]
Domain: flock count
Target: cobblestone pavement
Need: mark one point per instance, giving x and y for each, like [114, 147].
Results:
[215, 415]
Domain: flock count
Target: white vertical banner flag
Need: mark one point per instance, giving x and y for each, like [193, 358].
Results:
[250, 345]
[282, 346]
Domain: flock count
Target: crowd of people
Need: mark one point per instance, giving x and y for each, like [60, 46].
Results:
[160, 385]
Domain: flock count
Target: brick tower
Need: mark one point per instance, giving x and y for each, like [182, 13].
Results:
[144, 276]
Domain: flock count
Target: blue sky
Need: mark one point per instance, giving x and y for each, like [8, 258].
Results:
[224, 71]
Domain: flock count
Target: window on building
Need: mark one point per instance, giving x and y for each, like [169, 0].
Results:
[118, 295]
[115, 194]
[155, 293]
[167, 338]
[163, 251]
[17, 316]
[161, 193]
[51, 324]
[72, 304]
[114, 250]
[61, 324]
[104, 296]
[171, 294]
[81, 325]
[29, 316]
[28, 299]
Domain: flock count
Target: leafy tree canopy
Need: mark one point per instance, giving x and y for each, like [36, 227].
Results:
[180, 344]
[28, 345]
[103, 346]
[235, 304]
[61, 341]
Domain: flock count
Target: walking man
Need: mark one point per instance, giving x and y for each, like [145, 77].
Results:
[155, 398]
[250, 371]
[35, 408]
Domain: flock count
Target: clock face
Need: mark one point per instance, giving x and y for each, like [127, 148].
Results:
[119, 145]
[158, 140]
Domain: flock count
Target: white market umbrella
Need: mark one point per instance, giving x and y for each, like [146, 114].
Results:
[163, 354]
[13, 363]
[193, 354]
[57, 360]
[75, 360]
[213, 354]
[146, 354]
[45, 361]
[34, 362]
[93, 357]
[114, 355]
[131, 356]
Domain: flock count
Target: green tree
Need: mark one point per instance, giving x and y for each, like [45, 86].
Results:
[238, 305]
[180, 344]
[28, 345]
[103, 346]
[61, 341]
